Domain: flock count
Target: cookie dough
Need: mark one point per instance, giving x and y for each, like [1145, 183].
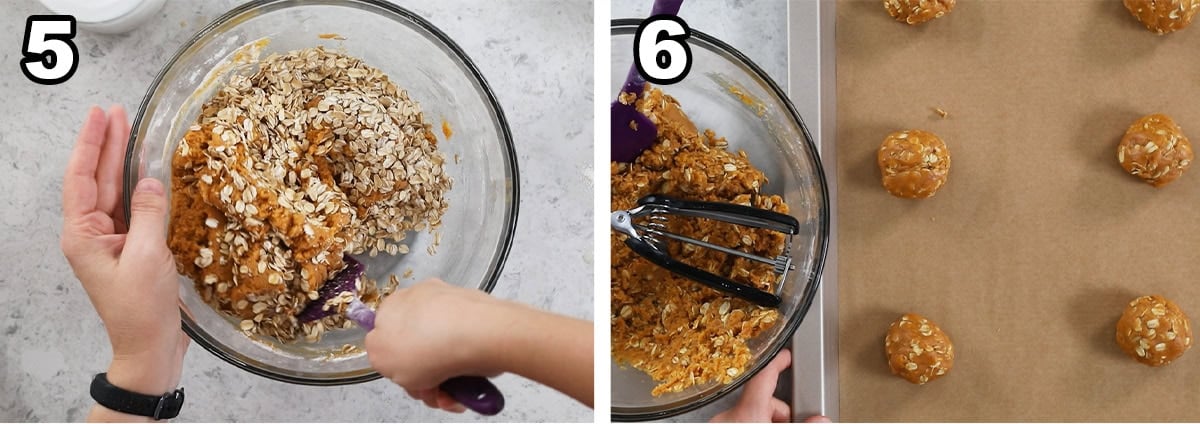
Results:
[681, 333]
[914, 163]
[917, 349]
[290, 167]
[1155, 150]
[915, 12]
[1153, 331]
[1163, 16]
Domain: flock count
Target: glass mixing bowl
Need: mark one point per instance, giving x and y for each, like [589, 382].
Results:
[729, 94]
[477, 228]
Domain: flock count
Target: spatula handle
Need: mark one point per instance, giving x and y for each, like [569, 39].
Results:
[666, 7]
[476, 393]
[633, 80]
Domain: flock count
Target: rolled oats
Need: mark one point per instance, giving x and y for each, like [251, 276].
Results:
[313, 155]
[914, 12]
[917, 349]
[1163, 16]
[1155, 150]
[914, 163]
[1153, 331]
[680, 332]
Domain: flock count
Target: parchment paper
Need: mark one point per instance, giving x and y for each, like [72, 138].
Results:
[1029, 253]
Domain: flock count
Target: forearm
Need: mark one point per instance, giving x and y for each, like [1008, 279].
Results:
[100, 414]
[554, 350]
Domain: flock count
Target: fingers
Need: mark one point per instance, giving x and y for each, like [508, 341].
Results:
[447, 403]
[428, 396]
[719, 418]
[79, 183]
[761, 389]
[148, 218]
[781, 362]
[780, 411]
[110, 172]
[437, 399]
[818, 419]
[390, 299]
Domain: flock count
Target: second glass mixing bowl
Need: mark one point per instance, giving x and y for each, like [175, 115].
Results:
[729, 94]
[477, 228]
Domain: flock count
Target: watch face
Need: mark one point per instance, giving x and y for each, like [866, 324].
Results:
[169, 405]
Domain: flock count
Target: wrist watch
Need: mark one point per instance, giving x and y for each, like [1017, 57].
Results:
[159, 407]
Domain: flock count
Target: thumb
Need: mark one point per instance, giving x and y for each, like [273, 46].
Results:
[760, 390]
[147, 216]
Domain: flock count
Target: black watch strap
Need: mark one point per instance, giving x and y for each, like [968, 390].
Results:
[159, 407]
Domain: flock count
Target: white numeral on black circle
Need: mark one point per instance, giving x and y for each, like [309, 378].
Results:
[660, 49]
[50, 55]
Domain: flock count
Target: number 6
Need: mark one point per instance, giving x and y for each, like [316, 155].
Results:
[50, 55]
[660, 50]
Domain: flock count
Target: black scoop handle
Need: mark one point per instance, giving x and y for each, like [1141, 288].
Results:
[662, 259]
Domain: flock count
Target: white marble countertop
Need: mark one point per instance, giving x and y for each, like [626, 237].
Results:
[50, 340]
[758, 29]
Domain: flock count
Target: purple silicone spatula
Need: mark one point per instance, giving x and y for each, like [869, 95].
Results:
[476, 393]
[633, 132]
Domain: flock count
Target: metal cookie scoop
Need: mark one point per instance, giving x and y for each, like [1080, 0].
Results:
[649, 239]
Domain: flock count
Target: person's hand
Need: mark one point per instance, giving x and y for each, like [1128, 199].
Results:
[758, 402]
[432, 331]
[126, 268]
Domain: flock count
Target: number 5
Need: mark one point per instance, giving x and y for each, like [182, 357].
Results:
[50, 55]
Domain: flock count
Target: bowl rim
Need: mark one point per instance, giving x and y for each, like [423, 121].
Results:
[399, 13]
[641, 413]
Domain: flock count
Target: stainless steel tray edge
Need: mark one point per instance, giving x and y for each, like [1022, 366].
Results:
[811, 65]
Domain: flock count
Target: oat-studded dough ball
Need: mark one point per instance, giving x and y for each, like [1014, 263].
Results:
[914, 163]
[1163, 16]
[1155, 150]
[917, 349]
[1153, 331]
[914, 12]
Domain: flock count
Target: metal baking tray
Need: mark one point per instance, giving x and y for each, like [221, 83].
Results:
[812, 88]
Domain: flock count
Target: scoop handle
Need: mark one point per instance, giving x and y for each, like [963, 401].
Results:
[476, 393]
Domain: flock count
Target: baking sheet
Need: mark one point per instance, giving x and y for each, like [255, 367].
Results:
[811, 87]
[1030, 251]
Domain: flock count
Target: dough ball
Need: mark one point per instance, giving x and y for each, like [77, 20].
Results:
[917, 349]
[1163, 16]
[914, 163]
[914, 12]
[1155, 150]
[1153, 331]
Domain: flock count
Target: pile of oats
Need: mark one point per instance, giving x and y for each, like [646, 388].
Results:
[313, 155]
[680, 332]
